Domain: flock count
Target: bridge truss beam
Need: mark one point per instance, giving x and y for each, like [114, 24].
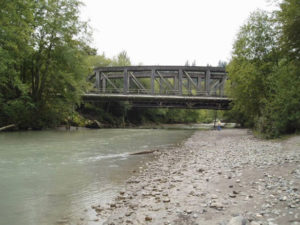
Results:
[162, 80]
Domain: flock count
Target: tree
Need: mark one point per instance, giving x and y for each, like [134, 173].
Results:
[121, 60]
[264, 74]
[289, 19]
[222, 63]
[49, 73]
[15, 33]
[254, 52]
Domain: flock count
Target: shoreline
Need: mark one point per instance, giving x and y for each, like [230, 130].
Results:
[175, 126]
[227, 177]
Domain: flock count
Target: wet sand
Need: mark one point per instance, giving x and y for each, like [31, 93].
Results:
[227, 178]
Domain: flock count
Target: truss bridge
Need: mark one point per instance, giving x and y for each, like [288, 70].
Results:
[191, 87]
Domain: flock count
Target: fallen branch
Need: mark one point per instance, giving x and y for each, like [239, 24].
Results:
[7, 127]
[143, 152]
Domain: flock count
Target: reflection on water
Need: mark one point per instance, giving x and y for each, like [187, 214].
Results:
[50, 176]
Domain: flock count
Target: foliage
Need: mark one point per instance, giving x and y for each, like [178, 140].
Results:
[43, 45]
[289, 20]
[264, 72]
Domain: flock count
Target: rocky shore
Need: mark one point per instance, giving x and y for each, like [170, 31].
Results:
[226, 178]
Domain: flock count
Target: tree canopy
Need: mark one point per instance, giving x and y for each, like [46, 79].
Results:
[264, 71]
[42, 49]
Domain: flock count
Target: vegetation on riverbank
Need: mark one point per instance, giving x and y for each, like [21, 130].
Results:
[264, 72]
[43, 47]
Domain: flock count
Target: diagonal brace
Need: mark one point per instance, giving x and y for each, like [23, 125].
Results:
[109, 81]
[137, 82]
[191, 80]
[165, 81]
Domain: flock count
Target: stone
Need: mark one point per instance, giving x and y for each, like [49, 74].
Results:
[235, 192]
[113, 205]
[231, 195]
[166, 200]
[238, 220]
[214, 196]
[284, 198]
[200, 170]
[216, 205]
[188, 211]
[254, 223]
[128, 213]
[148, 218]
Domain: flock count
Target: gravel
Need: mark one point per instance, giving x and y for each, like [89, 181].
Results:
[226, 177]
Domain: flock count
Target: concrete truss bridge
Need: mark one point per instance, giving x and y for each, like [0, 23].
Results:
[191, 87]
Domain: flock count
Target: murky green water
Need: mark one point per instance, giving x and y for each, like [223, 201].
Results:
[52, 177]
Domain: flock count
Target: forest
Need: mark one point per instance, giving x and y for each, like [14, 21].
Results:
[46, 55]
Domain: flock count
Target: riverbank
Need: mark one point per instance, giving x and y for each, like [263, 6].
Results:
[211, 179]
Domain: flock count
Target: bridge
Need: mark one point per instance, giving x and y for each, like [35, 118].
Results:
[192, 87]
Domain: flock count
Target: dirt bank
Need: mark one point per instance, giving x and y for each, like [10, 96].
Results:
[226, 177]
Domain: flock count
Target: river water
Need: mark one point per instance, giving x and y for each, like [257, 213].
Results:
[54, 177]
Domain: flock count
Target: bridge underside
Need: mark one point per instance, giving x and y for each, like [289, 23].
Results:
[162, 101]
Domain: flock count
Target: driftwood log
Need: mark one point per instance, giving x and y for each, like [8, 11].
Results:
[7, 127]
[143, 152]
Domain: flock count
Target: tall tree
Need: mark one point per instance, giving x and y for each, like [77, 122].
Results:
[122, 59]
[51, 44]
[264, 72]
[254, 52]
[16, 18]
[289, 19]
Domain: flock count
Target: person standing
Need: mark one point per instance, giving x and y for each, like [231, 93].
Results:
[219, 125]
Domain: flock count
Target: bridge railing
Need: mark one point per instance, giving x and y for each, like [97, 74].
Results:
[148, 92]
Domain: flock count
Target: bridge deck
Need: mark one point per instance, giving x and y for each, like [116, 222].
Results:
[163, 101]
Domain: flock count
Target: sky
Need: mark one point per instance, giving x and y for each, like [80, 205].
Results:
[168, 32]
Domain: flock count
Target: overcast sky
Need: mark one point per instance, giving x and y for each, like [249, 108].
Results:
[168, 32]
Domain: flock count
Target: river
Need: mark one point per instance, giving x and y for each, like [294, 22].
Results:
[51, 177]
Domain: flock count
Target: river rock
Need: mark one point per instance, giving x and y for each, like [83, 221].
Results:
[238, 220]
[148, 218]
[216, 205]
[255, 223]
[166, 200]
